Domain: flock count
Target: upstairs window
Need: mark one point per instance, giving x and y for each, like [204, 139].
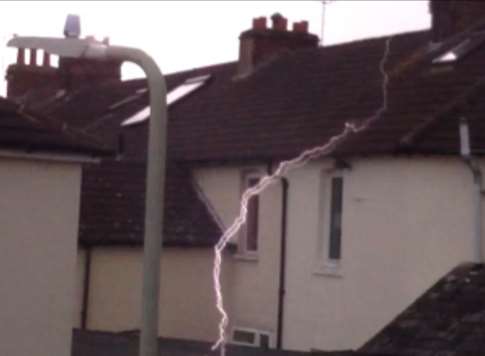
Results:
[179, 92]
[328, 255]
[462, 49]
[249, 244]
[335, 223]
[453, 54]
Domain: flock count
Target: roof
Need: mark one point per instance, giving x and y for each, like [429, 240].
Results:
[448, 319]
[23, 130]
[94, 343]
[113, 207]
[297, 101]
[294, 102]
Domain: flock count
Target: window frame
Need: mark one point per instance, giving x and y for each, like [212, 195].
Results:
[335, 227]
[181, 91]
[242, 246]
[326, 265]
[258, 334]
[459, 50]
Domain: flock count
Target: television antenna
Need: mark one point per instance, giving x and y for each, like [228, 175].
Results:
[324, 7]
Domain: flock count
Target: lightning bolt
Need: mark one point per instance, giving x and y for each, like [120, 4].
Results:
[283, 168]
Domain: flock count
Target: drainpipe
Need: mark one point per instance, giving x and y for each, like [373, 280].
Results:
[474, 167]
[282, 277]
[285, 184]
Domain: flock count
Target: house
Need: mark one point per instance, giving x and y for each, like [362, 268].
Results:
[333, 250]
[447, 319]
[40, 184]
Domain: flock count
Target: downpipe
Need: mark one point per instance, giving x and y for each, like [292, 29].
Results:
[465, 151]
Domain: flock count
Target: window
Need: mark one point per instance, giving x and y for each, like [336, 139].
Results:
[462, 49]
[335, 223]
[252, 337]
[328, 252]
[248, 243]
[181, 91]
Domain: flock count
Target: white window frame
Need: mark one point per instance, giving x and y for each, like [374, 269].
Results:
[242, 250]
[257, 332]
[181, 91]
[325, 265]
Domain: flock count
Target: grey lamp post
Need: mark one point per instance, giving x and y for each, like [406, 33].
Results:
[80, 48]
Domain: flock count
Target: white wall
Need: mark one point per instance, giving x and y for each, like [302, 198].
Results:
[186, 300]
[406, 223]
[39, 202]
[252, 284]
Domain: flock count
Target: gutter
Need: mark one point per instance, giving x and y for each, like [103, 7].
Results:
[474, 167]
[47, 156]
[282, 277]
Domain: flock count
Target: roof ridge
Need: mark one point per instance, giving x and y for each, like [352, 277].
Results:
[374, 39]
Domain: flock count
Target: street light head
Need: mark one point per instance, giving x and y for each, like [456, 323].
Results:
[64, 47]
[72, 27]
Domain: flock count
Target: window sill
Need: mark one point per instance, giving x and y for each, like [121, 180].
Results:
[329, 269]
[246, 257]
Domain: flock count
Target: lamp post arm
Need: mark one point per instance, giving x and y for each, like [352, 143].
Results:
[156, 154]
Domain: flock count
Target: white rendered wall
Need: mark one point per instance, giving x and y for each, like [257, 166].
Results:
[39, 202]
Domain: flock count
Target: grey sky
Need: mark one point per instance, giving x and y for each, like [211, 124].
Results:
[186, 34]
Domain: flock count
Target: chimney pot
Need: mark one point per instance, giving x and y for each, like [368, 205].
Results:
[300, 27]
[21, 56]
[279, 22]
[33, 57]
[259, 23]
[46, 61]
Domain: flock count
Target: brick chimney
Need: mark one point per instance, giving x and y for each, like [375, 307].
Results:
[77, 72]
[453, 16]
[70, 74]
[260, 44]
[22, 77]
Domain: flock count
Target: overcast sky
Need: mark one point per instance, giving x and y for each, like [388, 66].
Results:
[186, 34]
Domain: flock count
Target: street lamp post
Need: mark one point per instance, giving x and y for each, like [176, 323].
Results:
[81, 48]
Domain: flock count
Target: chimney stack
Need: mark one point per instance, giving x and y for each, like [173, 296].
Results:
[71, 74]
[260, 44]
[454, 16]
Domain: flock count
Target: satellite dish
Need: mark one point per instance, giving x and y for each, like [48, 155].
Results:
[72, 28]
